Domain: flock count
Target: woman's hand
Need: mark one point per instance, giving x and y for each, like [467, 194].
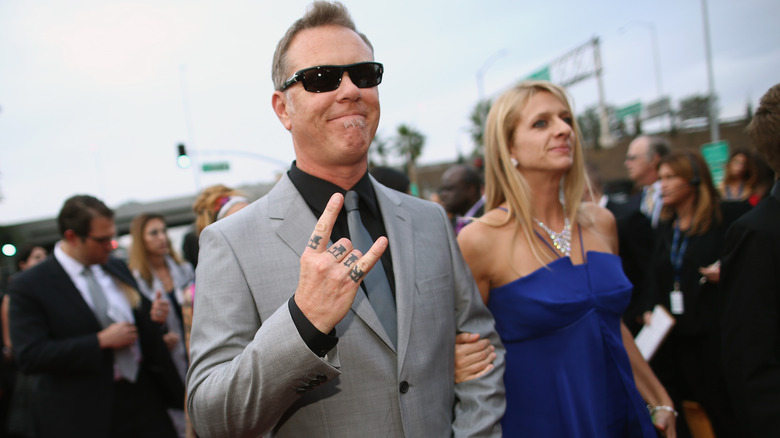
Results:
[160, 308]
[171, 339]
[710, 273]
[473, 356]
[665, 421]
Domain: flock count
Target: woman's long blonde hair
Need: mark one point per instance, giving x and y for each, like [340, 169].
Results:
[504, 183]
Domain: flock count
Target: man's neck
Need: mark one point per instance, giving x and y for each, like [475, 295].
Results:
[343, 176]
[71, 252]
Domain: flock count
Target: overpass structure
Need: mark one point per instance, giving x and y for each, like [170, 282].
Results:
[44, 232]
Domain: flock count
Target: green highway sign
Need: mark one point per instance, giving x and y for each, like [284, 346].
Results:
[716, 155]
[216, 166]
[630, 110]
[540, 75]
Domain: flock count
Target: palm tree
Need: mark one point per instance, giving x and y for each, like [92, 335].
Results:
[380, 148]
[409, 143]
[478, 118]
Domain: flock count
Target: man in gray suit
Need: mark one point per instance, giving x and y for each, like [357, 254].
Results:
[287, 339]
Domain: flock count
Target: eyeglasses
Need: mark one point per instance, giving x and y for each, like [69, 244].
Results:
[101, 240]
[324, 78]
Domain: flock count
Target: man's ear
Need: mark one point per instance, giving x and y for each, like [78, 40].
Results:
[70, 236]
[281, 107]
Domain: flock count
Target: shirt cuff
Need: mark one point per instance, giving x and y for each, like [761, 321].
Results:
[319, 343]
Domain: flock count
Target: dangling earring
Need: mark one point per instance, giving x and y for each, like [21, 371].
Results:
[513, 161]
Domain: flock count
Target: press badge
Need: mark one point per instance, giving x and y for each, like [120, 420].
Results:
[676, 300]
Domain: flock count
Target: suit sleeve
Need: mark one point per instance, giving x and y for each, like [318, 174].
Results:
[751, 284]
[245, 372]
[479, 403]
[39, 347]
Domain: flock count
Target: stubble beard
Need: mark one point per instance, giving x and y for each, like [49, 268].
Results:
[354, 123]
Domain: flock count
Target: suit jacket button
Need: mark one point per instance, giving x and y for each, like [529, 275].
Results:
[403, 387]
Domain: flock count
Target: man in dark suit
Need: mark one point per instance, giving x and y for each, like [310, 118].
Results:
[79, 324]
[636, 220]
[461, 194]
[642, 158]
[750, 278]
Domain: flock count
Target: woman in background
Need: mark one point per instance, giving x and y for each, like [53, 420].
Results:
[161, 273]
[545, 265]
[685, 271]
[739, 176]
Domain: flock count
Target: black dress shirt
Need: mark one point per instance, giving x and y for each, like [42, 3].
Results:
[316, 192]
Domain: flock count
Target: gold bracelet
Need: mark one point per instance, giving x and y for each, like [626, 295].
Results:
[654, 409]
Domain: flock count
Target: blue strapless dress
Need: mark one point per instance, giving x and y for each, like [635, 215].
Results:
[567, 372]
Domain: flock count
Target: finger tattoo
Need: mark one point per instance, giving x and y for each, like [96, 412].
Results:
[337, 250]
[356, 274]
[314, 242]
[350, 260]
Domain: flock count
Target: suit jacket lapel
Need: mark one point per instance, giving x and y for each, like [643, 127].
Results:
[287, 205]
[68, 290]
[399, 225]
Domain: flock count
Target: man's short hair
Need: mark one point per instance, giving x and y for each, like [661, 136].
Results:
[319, 13]
[764, 129]
[77, 214]
[657, 146]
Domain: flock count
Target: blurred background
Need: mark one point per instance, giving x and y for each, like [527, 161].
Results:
[105, 97]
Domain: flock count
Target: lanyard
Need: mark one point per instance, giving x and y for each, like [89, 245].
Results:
[676, 254]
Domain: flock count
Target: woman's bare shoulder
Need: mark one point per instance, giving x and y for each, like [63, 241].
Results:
[480, 234]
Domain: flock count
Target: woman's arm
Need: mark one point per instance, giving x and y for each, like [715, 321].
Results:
[650, 387]
[473, 356]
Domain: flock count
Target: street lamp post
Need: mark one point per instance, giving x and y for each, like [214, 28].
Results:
[481, 72]
[714, 125]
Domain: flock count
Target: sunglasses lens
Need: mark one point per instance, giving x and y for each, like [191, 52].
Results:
[326, 78]
[365, 75]
[322, 79]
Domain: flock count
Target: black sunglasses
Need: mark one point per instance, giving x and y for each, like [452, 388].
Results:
[323, 78]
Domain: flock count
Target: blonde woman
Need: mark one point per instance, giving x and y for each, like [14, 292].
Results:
[546, 266]
[160, 273]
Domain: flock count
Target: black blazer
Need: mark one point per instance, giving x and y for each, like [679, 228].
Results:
[701, 301]
[54, 333]
[750, 278]
[635, 247]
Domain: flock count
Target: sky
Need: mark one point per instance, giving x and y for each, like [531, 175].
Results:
[95, 95]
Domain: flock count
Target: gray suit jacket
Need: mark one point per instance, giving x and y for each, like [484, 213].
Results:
[251, 372]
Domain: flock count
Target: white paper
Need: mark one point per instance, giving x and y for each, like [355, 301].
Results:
[650, 336]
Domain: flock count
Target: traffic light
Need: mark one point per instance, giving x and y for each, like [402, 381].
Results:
[9, 250]
[183, 159]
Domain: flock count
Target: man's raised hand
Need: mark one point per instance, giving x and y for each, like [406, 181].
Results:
[330, 276]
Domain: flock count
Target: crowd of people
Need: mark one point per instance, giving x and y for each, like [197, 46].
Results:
[338, 304]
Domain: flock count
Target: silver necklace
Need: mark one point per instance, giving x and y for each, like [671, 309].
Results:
[561, 241]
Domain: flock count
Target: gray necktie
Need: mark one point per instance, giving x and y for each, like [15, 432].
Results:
[377, 287]
[99, 302]
[124, 358]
